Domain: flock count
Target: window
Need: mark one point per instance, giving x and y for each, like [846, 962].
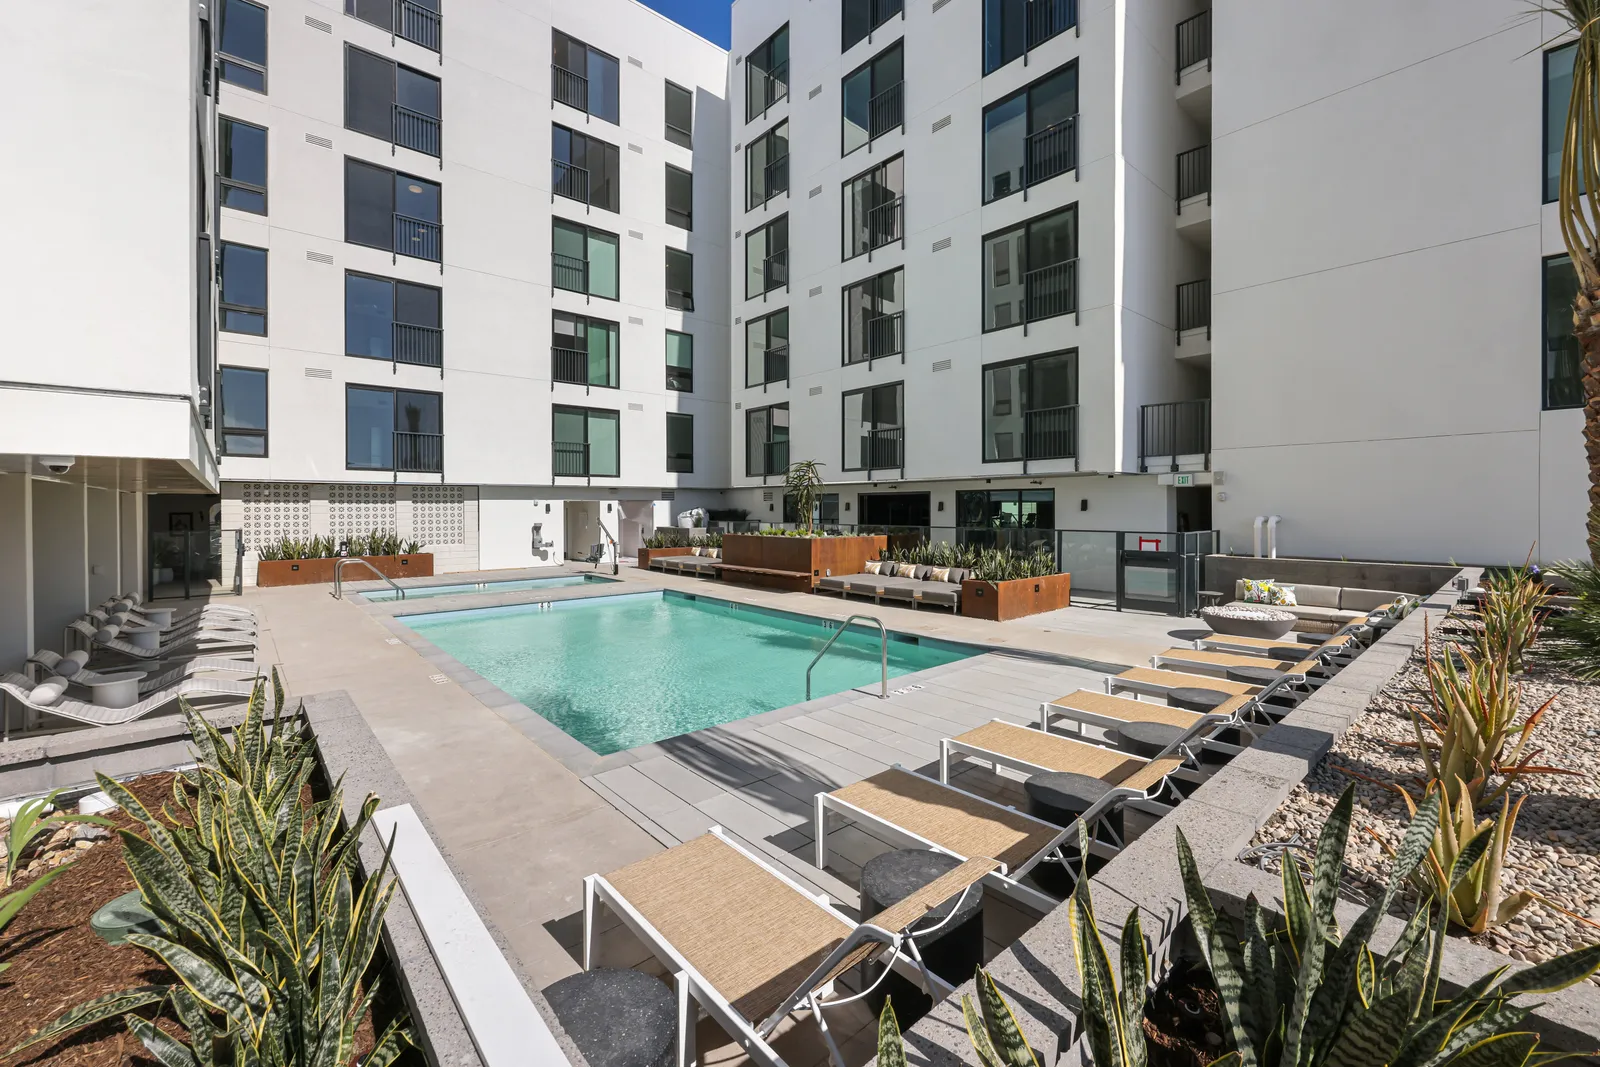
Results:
[766, 258]
[244, 411]
[680, 115]
[1563, 375]
[766, 349]
[766, 435]
[680, 443]
[584, 351]
[766, 161]
[583, 77]
[415, 20]
[242, 165]
[873, 206]
[242, 50]
[680, 362]
[1010, 518]
[391, 102]
[680, 280]
[874, 317]
[1031, 135]
[1030, 408]
[583, 259]
[1031, 271]
[392, 211]
[861, 17]
[874, 428]
[585, 443]
[394, 320]
[873, 100]
[585, 169]
[680, 197]
[766, 72]
[244, 289]
[393, 429]
[1557, 102]
[1011, 27]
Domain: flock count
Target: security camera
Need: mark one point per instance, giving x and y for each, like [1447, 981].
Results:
[57, 464]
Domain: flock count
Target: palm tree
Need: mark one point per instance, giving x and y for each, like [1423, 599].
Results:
[1580, 224]
[803, 482]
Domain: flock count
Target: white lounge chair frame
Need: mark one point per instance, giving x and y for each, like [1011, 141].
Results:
[1204, 730]
[19, 686]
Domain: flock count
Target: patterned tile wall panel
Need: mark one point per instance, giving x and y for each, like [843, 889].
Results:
[360, 509]
[274, 510]
[438, 515]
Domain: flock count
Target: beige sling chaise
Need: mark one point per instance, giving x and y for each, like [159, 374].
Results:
[1088, 708]
[1201, 661]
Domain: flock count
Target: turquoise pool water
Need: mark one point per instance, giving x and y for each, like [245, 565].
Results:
[615, 672]
[559, 581]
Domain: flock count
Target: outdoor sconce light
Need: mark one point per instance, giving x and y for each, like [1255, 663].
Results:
[941, 505]
[1083, 505]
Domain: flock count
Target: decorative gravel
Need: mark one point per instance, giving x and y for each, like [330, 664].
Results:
[1555, 851]
[1235, 611]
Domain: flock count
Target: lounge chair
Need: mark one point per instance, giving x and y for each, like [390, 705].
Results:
[54, 700]
[1022, 748]
[174, 628]
[136, 601]
[1088, 708]
[198, 643]
[72, 668]
[1309, 670]
[1346, 644]
[694, 566]
[750, 945]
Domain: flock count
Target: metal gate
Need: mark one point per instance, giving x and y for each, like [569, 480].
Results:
[1155, 573]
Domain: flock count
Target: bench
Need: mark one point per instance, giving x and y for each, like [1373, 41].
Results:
[767, 577]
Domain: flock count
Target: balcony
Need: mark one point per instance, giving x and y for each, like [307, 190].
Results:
[570, 365]
[774, 179]
[417, 24]
[1194, 65]
[1050, 291]
[1194, 194]
[771, 87]
[680, 299]
[416, 131]
[569, 181]
[418, 238]
[418, 453]
[774, 365]
[1047, 18]
[1175, 436]
[569, 272]
[885, 335]
[1050, 433]
[569, 459]
[883, 224]
[569, 88]
[1051, 151]
[886, 111]
[883, 449]
[1193, 333]
[776, 456]
[419, 346]
[775, 271]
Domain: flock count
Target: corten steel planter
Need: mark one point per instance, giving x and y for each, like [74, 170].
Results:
[1002, 601]
[648, 554]
[270, 572]
[795, 563]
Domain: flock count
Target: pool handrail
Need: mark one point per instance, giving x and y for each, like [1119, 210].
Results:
[338, 573]
[883, 634]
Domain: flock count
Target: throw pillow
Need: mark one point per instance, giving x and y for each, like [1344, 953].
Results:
[939, 574]
[714, 553]
[48, 691]
[1283, 596]
[1258, 590]
[696, 550]
[905, 570]
[874, 566]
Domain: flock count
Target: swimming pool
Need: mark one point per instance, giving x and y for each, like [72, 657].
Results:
[618, 671]
[558, 581]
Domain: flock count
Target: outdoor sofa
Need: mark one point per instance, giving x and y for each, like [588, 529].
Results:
[700, 562]
[916, 588]
[1324, 608]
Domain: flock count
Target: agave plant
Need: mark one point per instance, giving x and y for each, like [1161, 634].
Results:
[260, 919]
[1574, 636]
[803, 484]
[1514, 607]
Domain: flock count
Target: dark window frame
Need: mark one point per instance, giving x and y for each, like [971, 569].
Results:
[1027, 388]
[1546, 347]
[688, 216]
[590, 141]
[844, 435]
[844, 300]
[590, 51]
[873, 92]
[1544, 126]
[419, 30]
[669, 454]
[394, 100]
[686, 373]
[1026, 226]
[748, 412]
[224, 58]
[556, 220]
[873, 23]
[394, 314]
[847, 203]
[765, 321]
[223, 432]
[226, 182]
[588, 465]
[394, 392]
[668, 129]
[1068, 22]
[614, 370]
[767, 227]
[1026, 91]
[394, 211]
[678, 299]
[751, 203]
[763, 53]
[243, 309]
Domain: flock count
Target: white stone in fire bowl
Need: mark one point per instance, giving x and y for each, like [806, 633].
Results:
[1249, 620]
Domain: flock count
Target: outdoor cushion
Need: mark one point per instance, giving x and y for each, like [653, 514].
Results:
[1317, 596]
[1257, 590]
[835, 581]
[72, 663]
[905, 570]
[938, 574]
[696, 550]
[1283, 596]
[940, 593]
[48, 691]
[874, 566]
[1366, 599]
[957, 575]
[714, 553]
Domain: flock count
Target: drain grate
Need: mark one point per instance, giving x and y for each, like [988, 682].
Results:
[391, 640]
[438, 679]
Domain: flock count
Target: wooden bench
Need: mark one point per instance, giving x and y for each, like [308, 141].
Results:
[767, 577]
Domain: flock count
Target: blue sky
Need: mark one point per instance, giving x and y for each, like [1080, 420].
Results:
[708, 18]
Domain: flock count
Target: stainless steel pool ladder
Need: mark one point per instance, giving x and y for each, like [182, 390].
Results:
[883, 637]
[338, 576]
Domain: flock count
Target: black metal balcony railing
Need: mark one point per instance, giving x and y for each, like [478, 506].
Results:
[680, 299]
[421, 346]
[879, 12]
[1194, 173]
[882, 225]
[421, 453]
[569, 365]
[414, 130]
[775, 178]
[569, 272]
[775, 365]
[569, 88]
[680, 379]
[1050, 291]
[569, 181]
[1051, 151]
[417, 24]
[885, 335]
[776, 455]
[1050, 433]
[418, 237]
[1194, 41]
[775, 271]
[886, 111]
[1194, 307]
[569, 459]
[883, 448]
[1180, 428]
[771, 86]
[1046, 18]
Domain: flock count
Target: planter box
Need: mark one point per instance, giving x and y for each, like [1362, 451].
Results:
[270, 572]
[1001, 601]
[795, 563]
[648, 554]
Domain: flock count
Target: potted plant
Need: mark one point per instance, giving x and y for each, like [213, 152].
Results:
[793, 560]
[1007, 585]
[290, 561]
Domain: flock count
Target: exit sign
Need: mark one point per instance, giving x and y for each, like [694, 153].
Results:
[1181, 480]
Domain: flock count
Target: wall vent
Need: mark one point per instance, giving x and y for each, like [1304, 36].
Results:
[737, 234]
[318, 372]
[636, 235]
[318, 24]
[737, 404]
[635, 320]
[941, 364]
[737, 60]
[937, 4]
[320, 142]
[941, 124]
[319, 257]
[737, 319]
[636, 61]
[816, 390]
[635, 148]
[766, 496]
[816, 290]
[941, 244]
[815, 192]
[738, 148]
[815, 93]
[669, 494]
[635, 407]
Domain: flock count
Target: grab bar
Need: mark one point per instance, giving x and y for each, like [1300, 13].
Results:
[883, 634]
[338, 576]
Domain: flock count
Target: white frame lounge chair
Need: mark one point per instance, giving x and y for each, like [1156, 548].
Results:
[19, 688]
[1311, 671]
[1085, 707]
[749, 944]
[52, 663]
[176, 628]
[197, 644]
[1002, 743]
[1343, 644]
[230, 611]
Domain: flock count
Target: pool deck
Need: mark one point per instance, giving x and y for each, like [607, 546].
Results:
[523, 821]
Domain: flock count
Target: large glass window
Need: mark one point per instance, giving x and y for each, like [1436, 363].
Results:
[583, 77]
[242, 45]
[584, 260]
[1030, 408]
[392, 211]
[1557, 101]
[874, 317]
[1020, 519]
[873, 207]
[874, 428]
[415, 20]
[680, 362]
[244, 289]
[1031, 135]
[766, 258]
[766, 349]
[393, 429]
[1030, 271]
[874, 101]
[766, 434]
[244, 411]
[680, 443]
[392, 102]
[242, 165]
[585, 351]
[585, 169]
[1563, 373]
[389, 319]
[680, 115]
[680, 279]
[766, 71]
[861, 17]
[680, 197]
[585, 443]
[766, 161]
[1011, 27]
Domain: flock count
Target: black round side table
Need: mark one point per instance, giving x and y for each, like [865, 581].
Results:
[618, 1018]
[953, 952]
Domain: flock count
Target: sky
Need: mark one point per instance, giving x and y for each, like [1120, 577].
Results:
[708, 18]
